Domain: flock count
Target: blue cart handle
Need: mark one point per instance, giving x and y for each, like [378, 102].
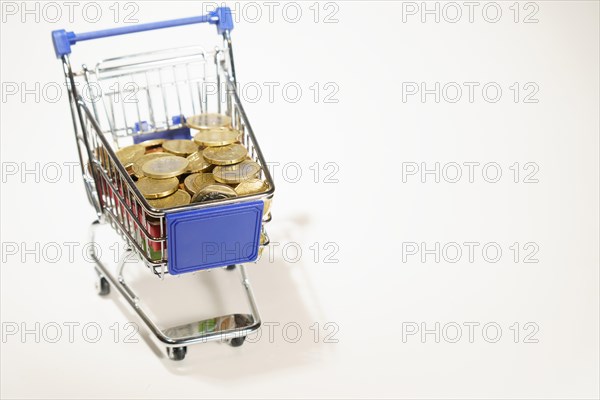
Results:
[63, 40]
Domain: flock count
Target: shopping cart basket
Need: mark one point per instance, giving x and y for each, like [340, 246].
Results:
[140, 97]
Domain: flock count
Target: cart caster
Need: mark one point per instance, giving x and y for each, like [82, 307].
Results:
[230, 267]
[176, 353]
[102, 286]
[237, 342]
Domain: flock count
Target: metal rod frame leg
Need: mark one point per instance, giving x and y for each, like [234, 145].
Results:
[219, 328]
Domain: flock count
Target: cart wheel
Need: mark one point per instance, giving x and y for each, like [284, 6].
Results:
[237, 342]
[102, 286]
[176, 353]
[230, 267]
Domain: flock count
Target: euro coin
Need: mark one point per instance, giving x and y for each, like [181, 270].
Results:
[216, 137]
[157, 149]
[236, 173]
[251, 186]
[225, 155]
[264, 241]
[165, 167]
[208, 121]
[128, 155]
[197, 163]
[180, 147]
[213, 192]
[152, 143]
[139, 163]
[179, 198]
[195, 182]
[156, 188]
[267, 208]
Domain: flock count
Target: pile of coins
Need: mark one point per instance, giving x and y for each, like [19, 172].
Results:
[212, 166]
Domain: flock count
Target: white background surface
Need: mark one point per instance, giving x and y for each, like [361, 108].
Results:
[370, 294]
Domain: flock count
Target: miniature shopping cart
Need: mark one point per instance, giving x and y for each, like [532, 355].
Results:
[132, 99]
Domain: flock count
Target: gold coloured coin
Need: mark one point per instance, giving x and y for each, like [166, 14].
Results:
[128, 155]
[156, 149]
[213, 192]
[179, 198]
[180, 147]
[216, 137]
[139, 163]
[152, 143]
[165, 167]
[195, 182]
[208, 121]
[225, 155]
[251, 186]
[267, 207]
[236, 173]
[263, 239]
[263, 243]
[197, 163]
[156, 188]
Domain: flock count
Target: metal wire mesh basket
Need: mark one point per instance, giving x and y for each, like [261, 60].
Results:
[139, 97]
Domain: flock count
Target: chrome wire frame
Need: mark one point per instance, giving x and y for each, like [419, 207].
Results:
[238, 326]
[110, 188]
